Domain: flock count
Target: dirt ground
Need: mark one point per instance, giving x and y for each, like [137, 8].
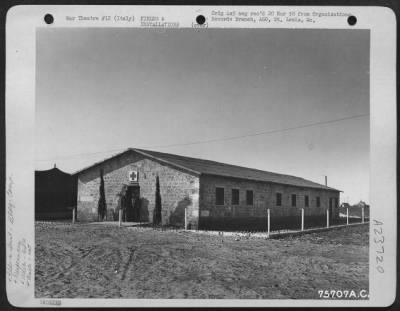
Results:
[97, 261]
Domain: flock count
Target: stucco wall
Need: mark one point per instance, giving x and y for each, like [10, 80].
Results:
[264, 197]
[178, 189]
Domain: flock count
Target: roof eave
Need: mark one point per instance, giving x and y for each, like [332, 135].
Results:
[100, 162]
[142, 153]
[274, 182]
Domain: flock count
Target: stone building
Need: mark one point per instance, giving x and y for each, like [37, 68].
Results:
[214, 194]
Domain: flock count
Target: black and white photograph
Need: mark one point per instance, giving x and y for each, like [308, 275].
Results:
[200, 162]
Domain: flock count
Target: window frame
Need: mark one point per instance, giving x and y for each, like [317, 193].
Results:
[278, 198]
[294, 200]
[306, 200]
[217, 203]
[238, 196]
[247, 197]
[318, 201]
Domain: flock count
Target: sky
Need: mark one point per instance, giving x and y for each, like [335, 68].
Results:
[100, 91]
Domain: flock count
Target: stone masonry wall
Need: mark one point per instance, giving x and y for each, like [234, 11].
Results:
[264, 197]
[178, 189]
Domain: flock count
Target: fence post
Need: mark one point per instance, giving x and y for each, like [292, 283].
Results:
[119, 217]
[302, 219]
[347, 215]
[73, 215]
[268, 222]
[327, 217]
[185, 218]
[362, 214]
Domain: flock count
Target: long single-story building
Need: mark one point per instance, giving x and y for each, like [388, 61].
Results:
[211, 192]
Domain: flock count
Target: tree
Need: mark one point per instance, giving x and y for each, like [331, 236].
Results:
[102, 206]
[157, 208]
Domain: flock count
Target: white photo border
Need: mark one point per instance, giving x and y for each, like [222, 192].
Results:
[21, 25]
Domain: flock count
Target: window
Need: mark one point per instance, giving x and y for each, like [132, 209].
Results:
[336, 202]
[318, 201]
[306, 200]
[219, 196]
[249, 197]
[235, 196]
[330, 202]
[279, 199]
[293, 200]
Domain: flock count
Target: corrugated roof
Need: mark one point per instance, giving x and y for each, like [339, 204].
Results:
[208, 167]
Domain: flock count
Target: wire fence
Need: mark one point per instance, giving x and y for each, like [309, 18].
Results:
[295, 222]
[267, 225]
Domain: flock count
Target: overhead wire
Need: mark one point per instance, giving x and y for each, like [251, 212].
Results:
[269, 132]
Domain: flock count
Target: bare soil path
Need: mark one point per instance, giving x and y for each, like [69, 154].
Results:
[86, 261]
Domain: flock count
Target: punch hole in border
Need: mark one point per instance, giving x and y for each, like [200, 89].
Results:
[200, 19]
[352, 20]
[49, 19]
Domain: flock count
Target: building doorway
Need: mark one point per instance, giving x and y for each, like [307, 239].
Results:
[132, 204]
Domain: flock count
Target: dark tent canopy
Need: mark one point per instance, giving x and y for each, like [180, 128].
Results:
[55, 194]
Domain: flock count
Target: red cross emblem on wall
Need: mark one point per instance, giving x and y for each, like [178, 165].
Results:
[133, 176]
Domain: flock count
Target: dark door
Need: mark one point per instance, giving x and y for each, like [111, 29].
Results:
[136, 203]
[132, 204]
